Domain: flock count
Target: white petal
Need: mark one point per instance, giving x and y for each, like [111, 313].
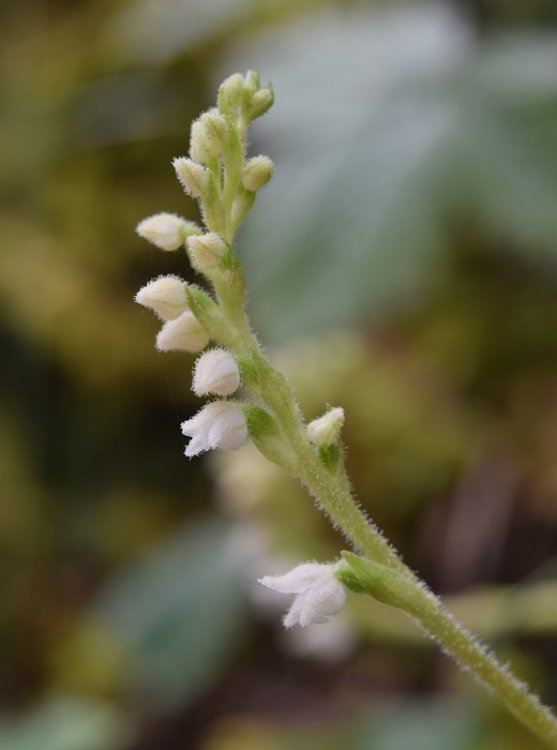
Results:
[320, 601]
[197, 445]
[296, 580]
[204, 419]
[183, 334]
[292, 617]
[230, 430]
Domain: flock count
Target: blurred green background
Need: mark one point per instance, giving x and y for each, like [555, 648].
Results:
[402, 264]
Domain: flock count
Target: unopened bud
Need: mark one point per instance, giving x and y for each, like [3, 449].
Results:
[257, 173]
[205, 251]
[213, 130]
[217, 373]
[166, 231]
[183, 334]
[251, 81]
[230, 93]
[166, 296]
[261, 101]
[199, 148]
[326, 429]
[193, 177]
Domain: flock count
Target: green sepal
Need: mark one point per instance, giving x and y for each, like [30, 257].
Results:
[208, 314]
[385, 584]
[241, 206]
[230, 263]
[260, 423]
[329, 456]
[230, 283]
[212, 208]
[267, 436]
[348, 578]
[250, 368]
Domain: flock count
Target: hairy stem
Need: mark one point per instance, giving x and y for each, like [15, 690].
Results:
[412, 596]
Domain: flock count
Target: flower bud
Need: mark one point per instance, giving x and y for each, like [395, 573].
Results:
[251, 82]
[166, 231]
[215, 372]
[257, 173]
[182, 334]
[214, 130]
[205, 251]
[261, 101]
[199, 148]
[326, 429]
[193, 177]
[221, 424]
[166, 296]
[230, 93]
[318, 593]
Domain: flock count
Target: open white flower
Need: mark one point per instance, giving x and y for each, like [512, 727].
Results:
[166, 296]
[183, 334]
[318, 592]
[221, 424]
[215, 372]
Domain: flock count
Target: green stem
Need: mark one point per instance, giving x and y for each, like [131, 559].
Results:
[333, 494]
[471, 655]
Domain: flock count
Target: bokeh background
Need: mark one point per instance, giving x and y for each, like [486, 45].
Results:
[402, 264]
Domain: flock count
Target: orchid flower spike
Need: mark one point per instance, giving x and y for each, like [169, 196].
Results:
[318, 593]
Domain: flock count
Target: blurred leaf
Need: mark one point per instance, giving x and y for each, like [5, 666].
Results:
[156, 30]
[431, 725]
[65, 724]
[179, 613]
[387, 128]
